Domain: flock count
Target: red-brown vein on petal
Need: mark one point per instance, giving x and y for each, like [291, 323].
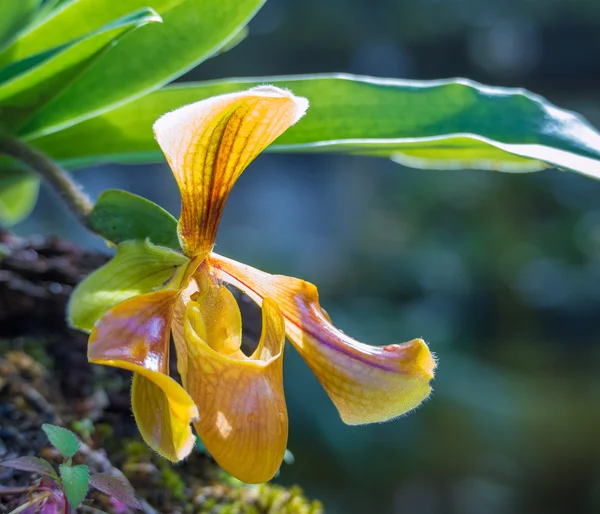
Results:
[208, 144]
[225, 146]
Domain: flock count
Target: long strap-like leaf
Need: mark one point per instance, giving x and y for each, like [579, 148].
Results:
[442, 124]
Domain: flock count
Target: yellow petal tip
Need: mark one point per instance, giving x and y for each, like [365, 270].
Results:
[163, 412]
[415, 358]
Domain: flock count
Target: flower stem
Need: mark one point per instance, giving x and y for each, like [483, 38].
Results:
[55, 176]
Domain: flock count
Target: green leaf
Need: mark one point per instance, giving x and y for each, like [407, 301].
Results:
[191, 32]
[120, 216]
[139, 267]
[75, 482]
[70, 20]
[233, 42]
[18, 195]
[117, 488]
[62, 439]
[27, 84]
[47, 8]
[33, 464]
[15, 15]
[436, 124]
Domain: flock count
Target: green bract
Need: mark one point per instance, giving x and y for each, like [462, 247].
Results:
[138, 267]
[120, 216]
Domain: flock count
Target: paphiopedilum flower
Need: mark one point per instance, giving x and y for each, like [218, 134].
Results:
[146, 293]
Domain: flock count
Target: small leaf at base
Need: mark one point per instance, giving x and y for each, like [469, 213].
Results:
[118, 488]
[33, 464]
[62, 439]
[120, 216]
[75, 482]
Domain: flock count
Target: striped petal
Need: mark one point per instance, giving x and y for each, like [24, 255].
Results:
[367, 384]
[209, 143]
[243, 421]
[134, 335]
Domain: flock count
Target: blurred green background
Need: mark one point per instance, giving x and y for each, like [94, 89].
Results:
[500, 273]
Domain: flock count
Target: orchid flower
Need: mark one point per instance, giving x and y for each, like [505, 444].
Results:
[146, 293]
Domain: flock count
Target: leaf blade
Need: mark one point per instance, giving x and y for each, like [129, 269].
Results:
[15, 14]
[117, 488]
[62, 439]
[18, 195]
[27, 84]
[430, 121]
[75, 482]
[191, 32]
[121, 216]
[33, 464]
[73, 52]
[70, 20]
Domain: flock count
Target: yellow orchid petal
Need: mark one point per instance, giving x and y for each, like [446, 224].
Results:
[221, 322]
[134, 335]
[190, 289]
[209, 143]
[367, 384]
[243, 421]
[272, 337]
[163, 421]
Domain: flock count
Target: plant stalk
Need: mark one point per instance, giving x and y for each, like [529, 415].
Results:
[55, 176]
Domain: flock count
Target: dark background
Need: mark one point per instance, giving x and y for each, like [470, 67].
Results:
[500, 273]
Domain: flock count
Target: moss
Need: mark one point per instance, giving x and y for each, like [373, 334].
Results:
[135, 451]
[274, 498]
[228, 498]
[171, 481]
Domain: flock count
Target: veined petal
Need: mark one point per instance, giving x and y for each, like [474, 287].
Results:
[163, 421]
[367, 384]
[136, 331]
[243, 421]
[209, 143]
[134, 335]
[138, 267]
